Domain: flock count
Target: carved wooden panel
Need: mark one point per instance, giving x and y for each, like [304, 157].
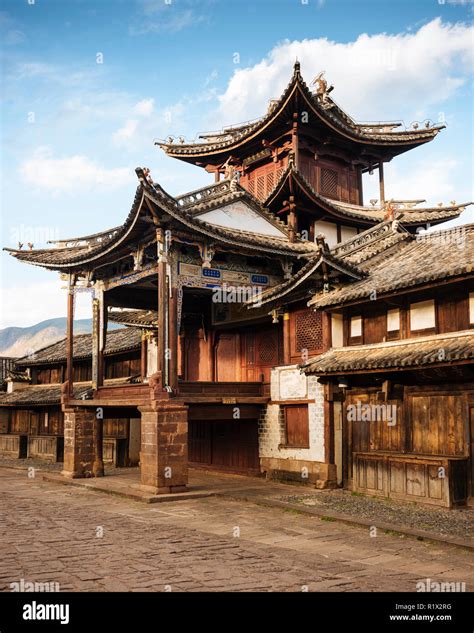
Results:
[308, 331]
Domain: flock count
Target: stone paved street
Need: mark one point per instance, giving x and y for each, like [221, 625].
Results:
[52, 533]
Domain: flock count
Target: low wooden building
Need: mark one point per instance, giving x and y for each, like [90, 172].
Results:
[31, 418]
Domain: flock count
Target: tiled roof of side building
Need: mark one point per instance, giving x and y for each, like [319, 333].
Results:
[118, 341]
[406, 262]
[405, 354]
[50, 394]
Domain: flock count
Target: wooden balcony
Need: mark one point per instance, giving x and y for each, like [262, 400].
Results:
[134, 395]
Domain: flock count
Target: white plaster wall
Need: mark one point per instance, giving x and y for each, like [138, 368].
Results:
[287, 383]
[238, 215]
[328, 229]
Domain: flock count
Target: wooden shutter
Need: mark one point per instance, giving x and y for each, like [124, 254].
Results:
[297, 425]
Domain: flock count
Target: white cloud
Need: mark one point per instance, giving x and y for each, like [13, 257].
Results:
[145, 107]
[73, 173]
[376, 76]
[157, 16]
[433, 180]
[31, 303]
[125, 133]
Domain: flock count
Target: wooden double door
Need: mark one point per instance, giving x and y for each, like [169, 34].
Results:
[224, 444]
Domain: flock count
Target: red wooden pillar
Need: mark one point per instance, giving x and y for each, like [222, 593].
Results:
[286, 339]
[143, 356]
[173, 340]
[162, 308]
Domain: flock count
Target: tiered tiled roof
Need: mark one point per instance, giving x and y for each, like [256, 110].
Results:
[370, 215]
[79, 253]
[326, 111]
[405, 354]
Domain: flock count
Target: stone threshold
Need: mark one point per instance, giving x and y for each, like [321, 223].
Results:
[420, 535]
[126, 490]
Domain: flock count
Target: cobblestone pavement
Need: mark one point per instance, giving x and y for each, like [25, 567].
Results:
[52, 533]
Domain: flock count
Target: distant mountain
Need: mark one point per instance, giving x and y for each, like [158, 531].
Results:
[19, 341]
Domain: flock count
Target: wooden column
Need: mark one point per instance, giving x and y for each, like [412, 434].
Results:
[294, 140]
[95, 342]
[99, 334]
[173, 340]
[98, 437]
[286, 339]
[104, 317]
[70, 340]
[381, 183]
[162, 308]
[292, 220]
[143, 356]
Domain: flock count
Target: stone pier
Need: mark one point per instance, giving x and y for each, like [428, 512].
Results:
[164, 446]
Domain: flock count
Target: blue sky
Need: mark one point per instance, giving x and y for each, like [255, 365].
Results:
[73, 129]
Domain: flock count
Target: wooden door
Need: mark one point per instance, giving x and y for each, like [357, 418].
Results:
[224, 445]
[227, 357]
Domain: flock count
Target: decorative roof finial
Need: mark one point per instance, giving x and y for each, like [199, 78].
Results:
[322, 90]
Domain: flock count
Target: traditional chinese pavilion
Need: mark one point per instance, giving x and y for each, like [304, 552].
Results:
[218, 281]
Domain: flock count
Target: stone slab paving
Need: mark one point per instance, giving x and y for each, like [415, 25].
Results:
[88, 541]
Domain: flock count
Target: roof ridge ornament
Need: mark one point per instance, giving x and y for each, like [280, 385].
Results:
[322, 90]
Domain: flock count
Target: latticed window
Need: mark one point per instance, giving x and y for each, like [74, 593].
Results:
[329, 182]
[268, 349]
[261, 187]
[270, 182]
[251, 186]
[309, 331]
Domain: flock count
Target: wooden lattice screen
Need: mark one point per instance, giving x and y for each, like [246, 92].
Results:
[329, 182]
[309, 331]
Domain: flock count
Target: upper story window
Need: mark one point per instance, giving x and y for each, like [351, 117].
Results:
[355, 330]
[422, 316]
[393, 324]
[329, 182]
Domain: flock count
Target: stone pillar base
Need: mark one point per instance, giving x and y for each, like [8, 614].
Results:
[164, 447]
[79, 451]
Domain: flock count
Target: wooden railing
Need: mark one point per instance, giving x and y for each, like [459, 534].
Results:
[249, 389]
